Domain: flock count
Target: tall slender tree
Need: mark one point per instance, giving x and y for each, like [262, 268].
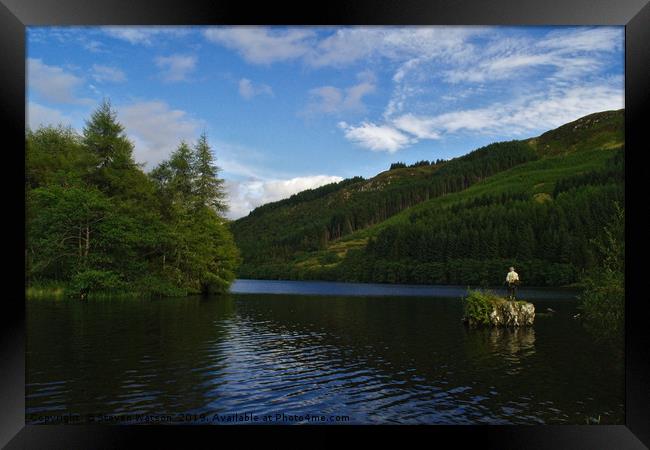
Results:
[209, 187]
[104, 136]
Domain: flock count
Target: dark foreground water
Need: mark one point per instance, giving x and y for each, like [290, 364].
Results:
[312, 358]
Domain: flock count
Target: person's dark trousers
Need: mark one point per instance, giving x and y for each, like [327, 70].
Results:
[512, 291]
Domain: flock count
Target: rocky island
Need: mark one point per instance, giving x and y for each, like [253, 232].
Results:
[488, 309]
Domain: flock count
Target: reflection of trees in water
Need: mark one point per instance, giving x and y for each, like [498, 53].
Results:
[374, 330]
[557, 369]
[420, 347]
[423, 342]
[194, 354]
[417, 348]
[514, 344]
[498, 357]
[117, 356]
[518, 342]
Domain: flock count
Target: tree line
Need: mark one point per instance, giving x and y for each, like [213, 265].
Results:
[422, 163]
[96, 222]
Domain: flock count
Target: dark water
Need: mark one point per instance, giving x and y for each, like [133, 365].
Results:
[401, 359]
[379, 290]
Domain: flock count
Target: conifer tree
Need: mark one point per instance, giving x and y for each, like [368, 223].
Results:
[104, 136]
[116, 172]
[209, 188]
[181, 166]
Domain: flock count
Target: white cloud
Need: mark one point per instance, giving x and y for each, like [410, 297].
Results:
[266, 45]
[559, 61]
[405, 68]
[93, 46]
[144, 35]
[565, 105]
[421, 128]
[348, 45]
[325, 99]
[52, 82]
[366, 85]
[107, 74]
[39, 115]
[569, 52]
[156, 129]
[176, 67]
[131, 35]
[66, 35]
[244, 196]
[376, 137]
[521, 64]
[248, 90]
[521, 116]
[469, 120]
[251, 182]
[263, 45]
[333, 100]
[560, 77]
[584, 40]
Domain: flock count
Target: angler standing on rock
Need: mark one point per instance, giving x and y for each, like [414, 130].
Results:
[512, 280]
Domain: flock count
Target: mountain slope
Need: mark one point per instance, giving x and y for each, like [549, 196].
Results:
[311, 220]
[445, 223]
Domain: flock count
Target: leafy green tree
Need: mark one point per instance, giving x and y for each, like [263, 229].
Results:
[55, 155]
[603, 298]
[97, 222]
[63, 224]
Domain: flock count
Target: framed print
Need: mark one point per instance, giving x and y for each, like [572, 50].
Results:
[373, 217]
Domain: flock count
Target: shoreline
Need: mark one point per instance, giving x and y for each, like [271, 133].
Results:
[244, 286]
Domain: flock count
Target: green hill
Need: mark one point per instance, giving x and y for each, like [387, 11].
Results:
[535, 203]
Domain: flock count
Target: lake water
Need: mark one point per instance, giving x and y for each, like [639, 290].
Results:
[314, 352]
[330, 288]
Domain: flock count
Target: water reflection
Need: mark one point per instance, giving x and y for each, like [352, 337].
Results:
[122, 356]
[511, 346]
[378, 360]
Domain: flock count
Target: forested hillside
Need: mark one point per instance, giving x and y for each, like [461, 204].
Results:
[534, 203]
[97, 223]
[310, 220]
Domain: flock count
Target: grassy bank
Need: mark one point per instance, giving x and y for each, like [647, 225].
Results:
[59, 292]
[45, 291]
[62, 290]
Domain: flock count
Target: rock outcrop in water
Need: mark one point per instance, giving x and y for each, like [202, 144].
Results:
[488, 309]
[512, 314]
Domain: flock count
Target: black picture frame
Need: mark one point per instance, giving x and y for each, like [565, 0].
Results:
[15, 15]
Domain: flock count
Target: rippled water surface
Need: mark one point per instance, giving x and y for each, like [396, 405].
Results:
[380, 359]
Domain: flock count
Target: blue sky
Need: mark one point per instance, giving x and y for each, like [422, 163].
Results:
[287, 109]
